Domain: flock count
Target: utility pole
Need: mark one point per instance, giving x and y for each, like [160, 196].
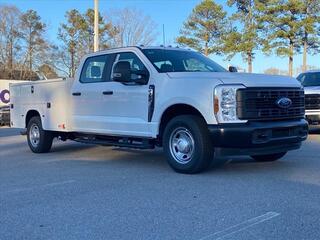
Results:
[96, 26]
[163, 36]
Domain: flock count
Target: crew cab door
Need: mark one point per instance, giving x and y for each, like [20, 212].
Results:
[102, 106]
[126, 105]
[87, 109]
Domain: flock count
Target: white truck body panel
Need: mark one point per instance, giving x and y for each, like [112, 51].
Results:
[118, 114]
[53, 92]
[140, 97]
[125, 113]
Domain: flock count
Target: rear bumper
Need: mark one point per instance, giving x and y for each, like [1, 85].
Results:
[254, 138]
[4, 118]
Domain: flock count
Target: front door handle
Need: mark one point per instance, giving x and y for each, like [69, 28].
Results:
[76, 94]
[107, 92]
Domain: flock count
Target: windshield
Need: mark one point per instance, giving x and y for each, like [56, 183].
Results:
[310, 79]
[181, 61]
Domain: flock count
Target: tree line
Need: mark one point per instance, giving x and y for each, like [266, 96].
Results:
[282, 27]
[25, 48]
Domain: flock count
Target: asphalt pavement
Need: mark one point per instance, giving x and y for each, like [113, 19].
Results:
[80, 191]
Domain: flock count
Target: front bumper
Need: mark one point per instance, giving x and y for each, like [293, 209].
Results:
[256, 138]
[313, 119]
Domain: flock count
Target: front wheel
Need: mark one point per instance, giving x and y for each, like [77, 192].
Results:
[39, 140]
[269, 157]
[187, 144]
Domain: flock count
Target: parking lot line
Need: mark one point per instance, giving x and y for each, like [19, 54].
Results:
[241, 226]
[40, 187]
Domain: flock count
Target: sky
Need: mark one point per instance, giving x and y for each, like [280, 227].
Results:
[171, 13]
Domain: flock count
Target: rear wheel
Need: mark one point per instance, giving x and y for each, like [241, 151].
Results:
[187, 144]
[39, 140]
[269, 157]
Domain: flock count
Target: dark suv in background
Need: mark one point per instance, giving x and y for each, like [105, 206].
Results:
[311, 82]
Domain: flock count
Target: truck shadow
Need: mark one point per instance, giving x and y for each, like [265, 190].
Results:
[9, 132]
[155, 161]
[246, 165]
[70, 148]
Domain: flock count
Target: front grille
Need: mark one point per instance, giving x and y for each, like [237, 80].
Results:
[260, 103]
[312, 101]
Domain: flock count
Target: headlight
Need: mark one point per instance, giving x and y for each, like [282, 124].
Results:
[225, 103]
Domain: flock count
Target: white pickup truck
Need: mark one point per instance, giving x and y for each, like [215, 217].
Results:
[142, 97]
[311, 82]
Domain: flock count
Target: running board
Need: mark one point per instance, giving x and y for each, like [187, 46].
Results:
[127, 142]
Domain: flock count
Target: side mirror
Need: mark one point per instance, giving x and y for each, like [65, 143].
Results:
[122, 72]
[233, 69]
[140, 76]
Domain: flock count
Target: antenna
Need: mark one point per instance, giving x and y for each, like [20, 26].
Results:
[163, 35]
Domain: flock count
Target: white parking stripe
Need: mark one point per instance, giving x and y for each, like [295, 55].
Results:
[40, 187]
[241, 226]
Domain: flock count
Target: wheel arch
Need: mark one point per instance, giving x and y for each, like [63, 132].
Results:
[174, 111]
[30, 114]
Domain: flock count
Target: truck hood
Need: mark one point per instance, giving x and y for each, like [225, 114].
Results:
[312, 90]
[246, 79]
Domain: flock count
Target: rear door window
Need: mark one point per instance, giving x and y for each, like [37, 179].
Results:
[95, 69]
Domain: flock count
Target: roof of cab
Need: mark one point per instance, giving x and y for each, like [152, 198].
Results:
[313, 71]
[165, 48]
[142, 47]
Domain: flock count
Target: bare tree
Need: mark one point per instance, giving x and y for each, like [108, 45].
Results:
[131, 27]
[275, 71]
[10, 36]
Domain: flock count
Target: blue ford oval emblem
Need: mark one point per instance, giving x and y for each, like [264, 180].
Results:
[284, 102]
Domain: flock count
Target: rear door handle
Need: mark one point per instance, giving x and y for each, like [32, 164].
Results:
[76, 94]
[107, 92]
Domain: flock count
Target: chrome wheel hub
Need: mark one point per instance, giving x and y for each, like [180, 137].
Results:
[34, 135]
[181, 144]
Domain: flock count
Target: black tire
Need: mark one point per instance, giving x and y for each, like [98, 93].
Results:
[203, 152]
[269, 157]
[44, 143]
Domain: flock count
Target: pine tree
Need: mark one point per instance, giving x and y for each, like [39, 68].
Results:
[87, 31]
[32, 32]
[204, 28]
[77, 37]
[282, 27]
[311, 29]
[243, 39]
[69, 34]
